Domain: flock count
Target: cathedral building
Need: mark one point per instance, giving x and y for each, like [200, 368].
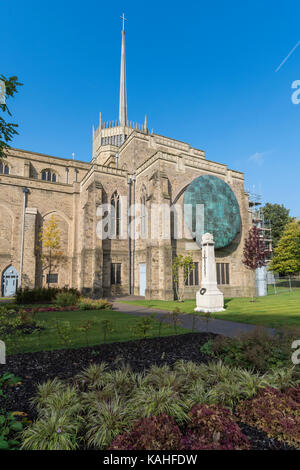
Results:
[136, 172]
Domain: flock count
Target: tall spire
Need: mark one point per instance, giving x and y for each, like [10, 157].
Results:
[123, 98]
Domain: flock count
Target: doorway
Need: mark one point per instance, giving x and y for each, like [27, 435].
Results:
[142, 279]
[9, 282]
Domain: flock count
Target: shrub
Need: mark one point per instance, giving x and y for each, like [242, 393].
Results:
[211, 426]
[41, 294]
[275, 413]
[159, 377]
[107, 419]
[65, 299]
[150, 401]
[92, 378]
[55, 432]
[257, 349]
[94, 304]
[153, 433]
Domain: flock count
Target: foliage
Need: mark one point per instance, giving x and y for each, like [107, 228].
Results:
[286, 259]
[143, 326]
[65, 299]
[107, 328]
[92, 378]
[257, 350]
[278, 217]
[55, 432]
[107, 419]
[64, 332]
[153, 433]
[275, 413]
[174, 318]
[52, 255]
[104, 406]
[149, 401]
[94, 304]
[41, 294]
[185, 265]
[215, 427]
[7, 129]
[86, 327]
[11, 423]
[254, 250]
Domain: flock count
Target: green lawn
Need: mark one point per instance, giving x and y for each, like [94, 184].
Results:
[273, 310]
[49, 339]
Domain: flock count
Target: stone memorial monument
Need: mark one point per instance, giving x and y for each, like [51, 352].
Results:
[209, 298]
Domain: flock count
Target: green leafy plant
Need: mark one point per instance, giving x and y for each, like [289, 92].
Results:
[150, 401]
[64, 332]
[94, 304]
[54, 432]
[92, 378]
[86, 327]
[174, 319]
[107, 328]
[143, 326]
[106, 420]
[65, 299]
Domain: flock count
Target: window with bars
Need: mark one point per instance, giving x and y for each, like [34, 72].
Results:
[223, 273]
[193, 278]
[115, 273]
[52, 278]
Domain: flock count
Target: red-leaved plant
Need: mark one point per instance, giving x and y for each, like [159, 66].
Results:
[153, 433]
[213, 427]
[274, 412]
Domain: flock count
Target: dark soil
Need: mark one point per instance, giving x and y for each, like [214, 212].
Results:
[34, 368]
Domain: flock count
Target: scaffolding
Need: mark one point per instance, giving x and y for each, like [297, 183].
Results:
[263, 276]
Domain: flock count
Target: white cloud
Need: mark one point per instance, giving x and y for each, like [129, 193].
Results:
[258, 158]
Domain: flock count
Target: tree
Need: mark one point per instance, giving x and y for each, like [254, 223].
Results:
[52, 255]
[286, 259]
[7, 129]
[279, 217]
[254, 250]
[186, 265]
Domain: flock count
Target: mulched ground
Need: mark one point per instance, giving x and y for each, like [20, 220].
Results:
[34, 368]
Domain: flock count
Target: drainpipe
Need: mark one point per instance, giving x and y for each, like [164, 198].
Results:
[133, 229]
[117, 160]
[129, 236]
[25, 191]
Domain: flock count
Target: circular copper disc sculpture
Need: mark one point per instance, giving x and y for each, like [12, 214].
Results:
[221, 210]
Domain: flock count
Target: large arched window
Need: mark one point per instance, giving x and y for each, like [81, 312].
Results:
[4, 169]
[115, 215]
[48, 175]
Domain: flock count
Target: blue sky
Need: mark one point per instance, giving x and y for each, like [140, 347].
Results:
[203, 72]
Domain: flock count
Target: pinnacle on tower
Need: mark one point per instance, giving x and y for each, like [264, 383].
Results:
[123, 97]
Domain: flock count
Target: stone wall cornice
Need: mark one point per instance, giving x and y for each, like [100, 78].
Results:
[43, 158]
[33, 183]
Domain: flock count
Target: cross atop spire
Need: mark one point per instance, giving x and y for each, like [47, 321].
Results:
[124, 19]
[123, 98]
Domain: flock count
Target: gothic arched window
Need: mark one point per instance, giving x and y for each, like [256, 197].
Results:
[4, 169]
[48, 175]
[115, 214]
[143, 213]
